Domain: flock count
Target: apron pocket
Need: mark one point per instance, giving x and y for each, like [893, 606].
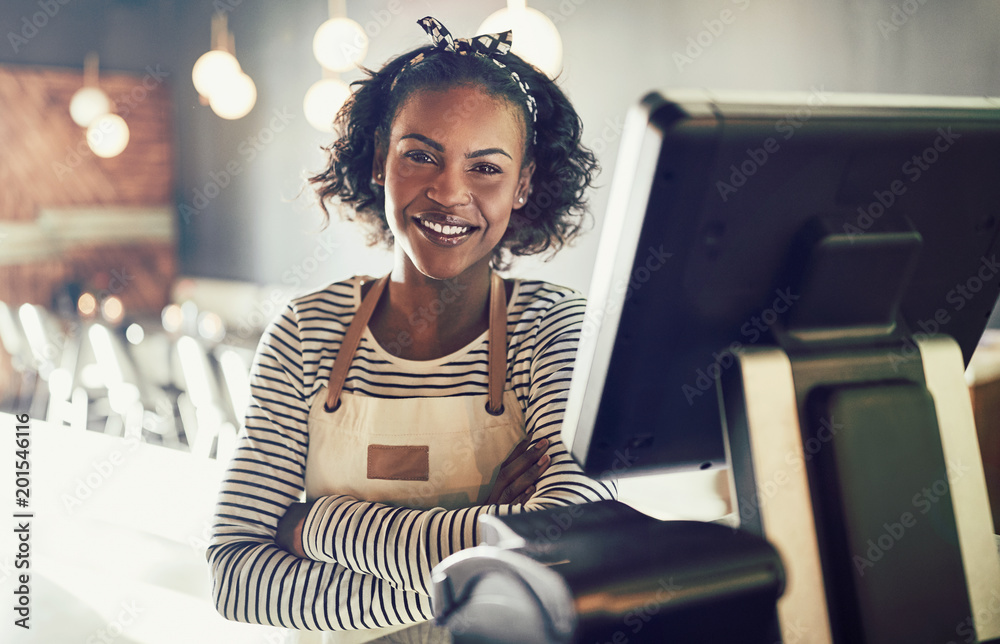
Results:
[399, 462]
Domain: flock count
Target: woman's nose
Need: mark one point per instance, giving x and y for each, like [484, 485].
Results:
[450, 188]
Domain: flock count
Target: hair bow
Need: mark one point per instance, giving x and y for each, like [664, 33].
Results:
[488, 45]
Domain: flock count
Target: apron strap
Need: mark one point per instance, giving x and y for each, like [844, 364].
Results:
[338, 374]
[497, 347]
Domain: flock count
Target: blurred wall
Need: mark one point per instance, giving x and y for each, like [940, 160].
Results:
[72, 217]
[258, 227]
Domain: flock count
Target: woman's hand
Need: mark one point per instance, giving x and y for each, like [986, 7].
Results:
[289, 535]
[518, 474]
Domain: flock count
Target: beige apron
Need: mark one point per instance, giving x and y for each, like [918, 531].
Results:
[379, 449]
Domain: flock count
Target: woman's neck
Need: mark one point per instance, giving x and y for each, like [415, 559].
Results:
[422, 318]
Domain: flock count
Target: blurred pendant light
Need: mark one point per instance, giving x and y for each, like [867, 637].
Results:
[322, 102]
[234, 97]
[536, 38]
[108, 136]
[90, 101]
[90, 107]
[218, 77]
[340, 44]
[212, 68]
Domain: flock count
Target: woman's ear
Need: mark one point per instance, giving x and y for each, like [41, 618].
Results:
[523, 185]
[378, 162]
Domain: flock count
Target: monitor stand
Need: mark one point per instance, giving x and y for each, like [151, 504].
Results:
[861, 466]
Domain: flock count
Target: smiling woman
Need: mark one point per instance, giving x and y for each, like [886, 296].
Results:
[555, 205]
[406, 407]
[455, 188]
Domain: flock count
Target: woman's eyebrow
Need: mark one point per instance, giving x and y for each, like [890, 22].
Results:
[423, 139]
[487, 152]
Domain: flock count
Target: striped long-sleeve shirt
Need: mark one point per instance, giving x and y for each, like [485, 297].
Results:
[373, 568]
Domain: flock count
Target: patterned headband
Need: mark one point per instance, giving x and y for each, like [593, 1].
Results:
[487, 45]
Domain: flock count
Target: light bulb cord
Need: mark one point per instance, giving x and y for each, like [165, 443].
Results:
[91, 69]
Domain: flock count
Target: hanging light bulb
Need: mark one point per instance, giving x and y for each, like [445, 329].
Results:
[87, 104]
[218, 77]
[340, 44]
[108, 136]
[234, 97]
[89, 101]
[212, 69]
[322, 102]
[536, 38]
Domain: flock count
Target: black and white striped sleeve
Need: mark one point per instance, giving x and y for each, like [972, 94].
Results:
[552, 354]
[255, 580]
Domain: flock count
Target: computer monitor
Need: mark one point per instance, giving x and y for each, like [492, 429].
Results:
[713, 196]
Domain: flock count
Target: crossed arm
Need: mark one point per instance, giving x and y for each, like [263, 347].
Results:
[515, 485]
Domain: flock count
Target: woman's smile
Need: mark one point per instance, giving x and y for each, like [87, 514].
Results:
[445, 230]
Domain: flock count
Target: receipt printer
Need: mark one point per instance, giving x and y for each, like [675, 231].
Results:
[604, 572]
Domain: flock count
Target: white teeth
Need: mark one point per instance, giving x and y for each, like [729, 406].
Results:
[445, 230]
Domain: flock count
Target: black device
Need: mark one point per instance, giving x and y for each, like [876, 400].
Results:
[713, 198]
[791, 286]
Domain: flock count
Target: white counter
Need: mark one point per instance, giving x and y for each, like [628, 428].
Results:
[117, 545]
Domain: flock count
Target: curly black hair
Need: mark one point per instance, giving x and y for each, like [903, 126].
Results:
[556, 205]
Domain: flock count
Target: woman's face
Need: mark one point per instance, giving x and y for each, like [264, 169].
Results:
[452, 171]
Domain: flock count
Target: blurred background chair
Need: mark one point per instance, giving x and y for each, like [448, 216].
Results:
[178, 381]
[18, 395]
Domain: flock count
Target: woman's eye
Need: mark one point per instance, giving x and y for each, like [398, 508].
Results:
[419, 156]
[488, 169]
